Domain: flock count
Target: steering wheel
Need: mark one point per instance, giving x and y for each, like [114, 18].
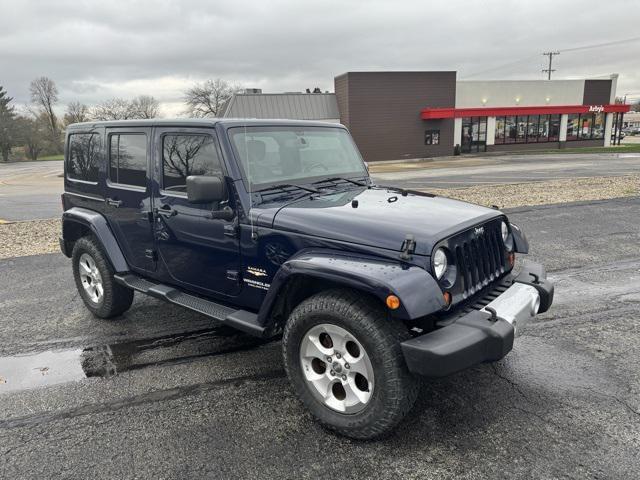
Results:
[316, 165]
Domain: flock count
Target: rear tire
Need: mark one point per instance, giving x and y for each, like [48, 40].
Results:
[93, 275]
[323, 334]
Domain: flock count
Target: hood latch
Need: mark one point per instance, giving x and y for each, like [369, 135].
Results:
[408, 247]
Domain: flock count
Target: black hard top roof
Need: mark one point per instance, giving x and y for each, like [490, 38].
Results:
[203, 122]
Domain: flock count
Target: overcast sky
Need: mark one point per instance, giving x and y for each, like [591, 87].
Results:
[95, 50]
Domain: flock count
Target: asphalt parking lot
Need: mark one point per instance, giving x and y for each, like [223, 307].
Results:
[164, 393]
[467, 171]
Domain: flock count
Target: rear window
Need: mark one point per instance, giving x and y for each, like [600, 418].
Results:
[128, 159]
[83, 157]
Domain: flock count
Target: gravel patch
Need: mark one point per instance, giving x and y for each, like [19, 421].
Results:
[544, 193]
[41, 236]
[29, 238]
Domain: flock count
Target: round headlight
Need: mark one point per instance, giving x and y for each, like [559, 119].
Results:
[439, 263]
[505, 231]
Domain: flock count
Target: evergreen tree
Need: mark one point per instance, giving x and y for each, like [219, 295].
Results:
[7, 125]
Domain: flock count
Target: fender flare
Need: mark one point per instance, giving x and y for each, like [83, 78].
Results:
[417, 290]
[520, 241]
[98, 225]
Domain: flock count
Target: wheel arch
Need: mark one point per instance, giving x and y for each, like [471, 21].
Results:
[314, 271]
[80, 222]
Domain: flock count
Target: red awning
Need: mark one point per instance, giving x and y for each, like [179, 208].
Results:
[436, 113]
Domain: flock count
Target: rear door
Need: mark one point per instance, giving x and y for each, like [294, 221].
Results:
[197, 251]
[128, 197]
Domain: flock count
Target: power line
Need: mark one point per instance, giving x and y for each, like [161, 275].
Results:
[598, 45]
[573, 49]
[549, 69]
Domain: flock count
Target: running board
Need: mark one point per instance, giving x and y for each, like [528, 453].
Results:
[239, 319]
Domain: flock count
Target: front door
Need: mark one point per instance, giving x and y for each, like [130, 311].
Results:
[128, 197]
[474, 135]
[196, 249]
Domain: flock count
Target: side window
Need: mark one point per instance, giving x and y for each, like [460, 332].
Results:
[82, 162]
[184, 155]
[128, 159]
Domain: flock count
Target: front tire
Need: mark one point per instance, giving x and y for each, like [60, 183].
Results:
[95, 282]
[343, 358]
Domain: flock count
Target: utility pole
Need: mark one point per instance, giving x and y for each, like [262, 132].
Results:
[549, 70]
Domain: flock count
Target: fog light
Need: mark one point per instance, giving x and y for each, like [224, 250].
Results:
[393, 302]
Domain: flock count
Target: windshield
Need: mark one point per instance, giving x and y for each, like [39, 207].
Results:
[276, 155]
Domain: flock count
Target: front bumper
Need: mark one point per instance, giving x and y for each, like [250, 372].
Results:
[484, 335]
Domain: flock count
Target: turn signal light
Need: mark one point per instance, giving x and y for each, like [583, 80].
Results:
[393, 302]
[512, 259]
[447, 298]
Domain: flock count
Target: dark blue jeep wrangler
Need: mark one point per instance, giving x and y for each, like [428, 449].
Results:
[276, 229]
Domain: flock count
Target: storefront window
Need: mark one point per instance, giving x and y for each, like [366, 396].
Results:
[521, 123]
[532, 128]
[543, 128]
[586, 122]
[573, 125]
[554, 128]
[499, 130]
[511, 129]
[598, 126]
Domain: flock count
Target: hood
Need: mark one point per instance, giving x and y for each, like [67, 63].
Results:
[381, 218]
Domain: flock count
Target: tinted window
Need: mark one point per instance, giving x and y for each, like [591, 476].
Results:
[184, 155]
[82, 162]
[128, 159]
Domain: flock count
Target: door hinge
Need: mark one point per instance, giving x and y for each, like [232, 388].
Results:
[231, 230]
[152, 254]
[233, 275]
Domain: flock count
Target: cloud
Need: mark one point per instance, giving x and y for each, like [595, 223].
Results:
[96, 50]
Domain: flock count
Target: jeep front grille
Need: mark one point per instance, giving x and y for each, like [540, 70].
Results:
[479, 257]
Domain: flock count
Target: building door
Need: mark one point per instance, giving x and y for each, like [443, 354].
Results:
[474, 134]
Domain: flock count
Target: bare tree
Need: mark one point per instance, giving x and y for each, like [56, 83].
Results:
[112, 109]
[208, 99]
[33, 134]
[76, 113]
[44, 94]
[145, 106]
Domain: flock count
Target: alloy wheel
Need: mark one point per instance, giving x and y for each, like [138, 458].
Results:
[336, 368]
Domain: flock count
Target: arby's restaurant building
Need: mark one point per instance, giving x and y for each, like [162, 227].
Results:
[401, 115]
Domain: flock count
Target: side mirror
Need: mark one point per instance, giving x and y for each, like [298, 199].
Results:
[203, 189]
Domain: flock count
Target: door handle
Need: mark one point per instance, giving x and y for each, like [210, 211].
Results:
[166, 211]
[113, 202]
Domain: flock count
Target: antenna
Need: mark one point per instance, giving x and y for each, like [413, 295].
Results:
[249, 182]
[549, 70]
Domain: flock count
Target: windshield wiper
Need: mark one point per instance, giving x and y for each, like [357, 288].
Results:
[282, 186]
[345, 179]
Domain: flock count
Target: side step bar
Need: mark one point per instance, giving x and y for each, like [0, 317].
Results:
[239, 319]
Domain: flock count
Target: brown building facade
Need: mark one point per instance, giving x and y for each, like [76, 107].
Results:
[379, 108]
[404, 115]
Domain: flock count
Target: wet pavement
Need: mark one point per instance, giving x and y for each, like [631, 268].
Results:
[164, 393]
